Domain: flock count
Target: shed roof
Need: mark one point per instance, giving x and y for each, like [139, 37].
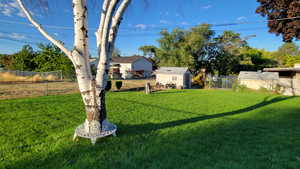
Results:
[172, 70]
[295, 69]
[258, 75]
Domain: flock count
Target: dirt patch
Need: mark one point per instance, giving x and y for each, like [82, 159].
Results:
[25, 89]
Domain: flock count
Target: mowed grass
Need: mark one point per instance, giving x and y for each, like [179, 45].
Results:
[205, 129]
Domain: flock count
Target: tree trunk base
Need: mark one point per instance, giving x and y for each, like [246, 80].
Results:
[93, 130]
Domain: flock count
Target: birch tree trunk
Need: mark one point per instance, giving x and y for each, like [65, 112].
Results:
[92, 89]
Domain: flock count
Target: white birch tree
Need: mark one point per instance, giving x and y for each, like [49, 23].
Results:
[92, 88]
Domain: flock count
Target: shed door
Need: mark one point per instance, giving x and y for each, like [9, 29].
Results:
[186, 81]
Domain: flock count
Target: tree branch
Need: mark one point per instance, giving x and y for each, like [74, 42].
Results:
[99, 32]
[103, 64]
[43, 31]
[81, 42]
[116, 24]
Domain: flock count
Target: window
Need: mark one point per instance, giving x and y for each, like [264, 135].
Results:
[174, 78]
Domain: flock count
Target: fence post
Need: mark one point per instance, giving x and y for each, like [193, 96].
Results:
[147, 88]
[61, 75]
[46, 92]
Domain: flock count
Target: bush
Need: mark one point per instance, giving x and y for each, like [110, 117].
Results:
[108, 85]
[119, 84]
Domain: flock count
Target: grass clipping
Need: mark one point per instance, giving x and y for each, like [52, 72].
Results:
[9, 77]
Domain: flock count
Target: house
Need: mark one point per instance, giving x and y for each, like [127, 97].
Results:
[178, 77]
[282, 80]
[134, 66]
[128, 67]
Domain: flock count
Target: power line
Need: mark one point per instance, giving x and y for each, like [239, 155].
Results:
[34, 43]
[20, 41]
[213, 25]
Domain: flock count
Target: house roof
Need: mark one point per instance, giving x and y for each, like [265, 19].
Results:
[172, 70]
[248, 75]
[124, 59]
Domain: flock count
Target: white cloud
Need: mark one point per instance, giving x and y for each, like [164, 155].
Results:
[241, 18]
[56, 34]
[15, 36]
[14, 4]
[164, 21]
[206, 6]
[11, 8]
[7, 11]
[184, 23]
[141, 26]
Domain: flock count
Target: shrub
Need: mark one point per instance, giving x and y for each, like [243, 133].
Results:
[235, 85]
[108, 85]
[119, 84]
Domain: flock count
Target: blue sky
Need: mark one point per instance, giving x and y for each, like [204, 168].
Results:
[141, 25]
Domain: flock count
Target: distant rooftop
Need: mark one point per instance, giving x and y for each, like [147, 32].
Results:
[172, 70]
[124, 59]
[295, 69]
[248, 75]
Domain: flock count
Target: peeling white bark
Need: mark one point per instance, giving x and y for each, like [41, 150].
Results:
[102, 71]
[102, 21]
[106, 45]
[116, 21]
[81, 60]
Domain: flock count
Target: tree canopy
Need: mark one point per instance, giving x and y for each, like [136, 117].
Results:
[198, 47]
[283, 16]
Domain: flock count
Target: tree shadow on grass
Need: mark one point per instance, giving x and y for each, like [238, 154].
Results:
[246, 143]
[138, 148]
[170, 91]
[149, 127]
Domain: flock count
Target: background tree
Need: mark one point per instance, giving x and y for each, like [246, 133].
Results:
[287, 50]
[23, 60]
[228, 57]
[254, 59]
[277, 11]
[183, 48]
[116, 52]
[227, 53]
[7, 62]
[169, 53]
[51, 58]
[149, 51]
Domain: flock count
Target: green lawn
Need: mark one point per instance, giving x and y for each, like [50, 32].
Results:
[203, 129]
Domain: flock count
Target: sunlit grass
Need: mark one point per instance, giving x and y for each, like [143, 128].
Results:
[173, 129]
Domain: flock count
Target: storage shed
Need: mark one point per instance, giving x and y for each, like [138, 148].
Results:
[178, 77]
[257, 80]
[283, 80]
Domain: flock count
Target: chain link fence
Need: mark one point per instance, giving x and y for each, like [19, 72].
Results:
[223, 82]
